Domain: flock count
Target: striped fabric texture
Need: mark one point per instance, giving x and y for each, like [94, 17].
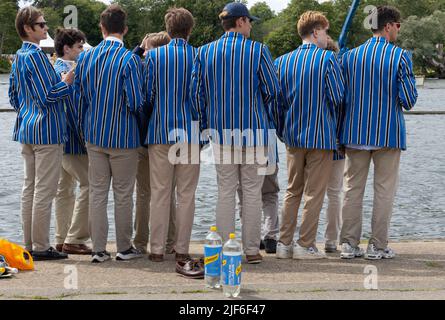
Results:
[75, 143]
[108, 87]
[380, 83]
[167, 83]
[235, 90]
[37, 94]
[312, 89]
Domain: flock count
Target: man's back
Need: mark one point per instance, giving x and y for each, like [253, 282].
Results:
[312, 88]
[379, 84]
[108, 80]
[238, 80]
[169, 76]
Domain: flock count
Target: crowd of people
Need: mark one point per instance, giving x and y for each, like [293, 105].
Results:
[111, 116]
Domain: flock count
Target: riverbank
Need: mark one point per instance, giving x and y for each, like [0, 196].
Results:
[418, 272]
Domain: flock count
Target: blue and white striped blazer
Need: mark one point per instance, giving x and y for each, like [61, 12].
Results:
[75, 143]
[380, 83]
[36, 92]
[312, 89]
[235, 90]
[108, 87]
[167, 83]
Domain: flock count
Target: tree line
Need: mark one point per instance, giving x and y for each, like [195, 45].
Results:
[423, 28]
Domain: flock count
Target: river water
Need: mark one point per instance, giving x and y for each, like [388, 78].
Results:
[419, 210]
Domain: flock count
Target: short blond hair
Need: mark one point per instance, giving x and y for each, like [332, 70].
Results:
[158, 39]
[309, 21]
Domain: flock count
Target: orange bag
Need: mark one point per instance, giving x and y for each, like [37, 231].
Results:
[15, 255]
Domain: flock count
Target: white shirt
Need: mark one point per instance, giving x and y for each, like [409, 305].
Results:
[114, 39]
[362, 147]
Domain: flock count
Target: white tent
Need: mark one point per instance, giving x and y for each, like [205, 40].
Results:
[48, 43]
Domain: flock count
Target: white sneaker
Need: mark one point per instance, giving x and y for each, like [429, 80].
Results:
[283, 251]
[301, 253]
[388, 253]
[372, 253]
[350, 252]
[131, 253]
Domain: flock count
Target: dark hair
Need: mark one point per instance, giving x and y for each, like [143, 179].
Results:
[230, 23]
[114, 19]
[385, 15]
[67, 37]
[26, 17]
[179, 22]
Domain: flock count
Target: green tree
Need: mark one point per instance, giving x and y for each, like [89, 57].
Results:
[9, 40]
[426, 38]
[262, 27]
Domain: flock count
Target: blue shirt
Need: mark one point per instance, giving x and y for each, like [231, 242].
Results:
[235, 90]
[168, 78]
[36, 93]
[75, 143]
[380, 83]
[312, 89]
[108, 85]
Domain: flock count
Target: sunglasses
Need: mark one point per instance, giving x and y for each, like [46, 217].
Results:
[41, 24]
[398, 24]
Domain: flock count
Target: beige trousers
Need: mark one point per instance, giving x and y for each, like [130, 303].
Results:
[308, 174]
[72, 212]
[240, 167]
[163, 171]
[118, 166]
[334, 195]
[270, 203]
[386, 178]
[42, 165]
[143, 196]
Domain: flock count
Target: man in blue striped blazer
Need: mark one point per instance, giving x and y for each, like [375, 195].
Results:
[37, 93]
[168, 77]
[71, 213]
[235, 90]
[312, 90]
[379, 84]
[108, 85]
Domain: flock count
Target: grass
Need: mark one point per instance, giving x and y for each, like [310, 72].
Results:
[30, 298]
[433, 264]
[109, 293]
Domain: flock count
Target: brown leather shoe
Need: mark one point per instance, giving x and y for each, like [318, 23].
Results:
[254, 259]
[156, 257]
[59, 247]
[76, 249]
[190, 269]
[182, 257]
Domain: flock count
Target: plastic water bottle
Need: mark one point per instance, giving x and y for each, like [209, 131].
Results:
[231, 267]
[212, 259]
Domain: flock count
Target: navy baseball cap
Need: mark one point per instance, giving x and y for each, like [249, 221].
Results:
[236, 10]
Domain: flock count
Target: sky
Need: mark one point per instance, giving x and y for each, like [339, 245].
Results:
[275, 5]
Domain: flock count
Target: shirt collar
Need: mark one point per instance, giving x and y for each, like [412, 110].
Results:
[178, 42]
[232, 34]
[32, 44]
[114, 39]
[378, 39]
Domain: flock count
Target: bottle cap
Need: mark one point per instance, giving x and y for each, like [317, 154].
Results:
[214, 229]
[232, 236]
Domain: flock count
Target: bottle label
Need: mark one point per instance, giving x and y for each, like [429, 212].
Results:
[212, 260]
[231, 270]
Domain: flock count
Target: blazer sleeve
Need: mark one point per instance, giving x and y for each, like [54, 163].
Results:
[407, 82]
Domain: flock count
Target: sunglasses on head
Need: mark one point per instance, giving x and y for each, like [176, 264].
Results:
[41, 24]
